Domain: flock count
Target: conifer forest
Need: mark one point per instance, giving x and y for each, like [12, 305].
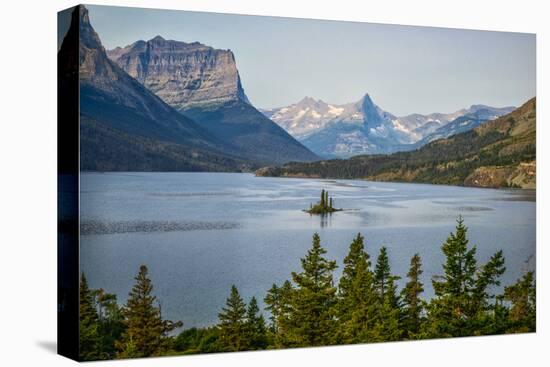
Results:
[312, 308]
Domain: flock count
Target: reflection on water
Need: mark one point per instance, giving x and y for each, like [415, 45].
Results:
[201, 232]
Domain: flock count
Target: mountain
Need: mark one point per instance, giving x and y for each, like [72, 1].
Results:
[364, 128]
[123, 126]
[340, 130]
[182, 74]
[497, 153]
[467, 120]
[427, 128]
[203, 83]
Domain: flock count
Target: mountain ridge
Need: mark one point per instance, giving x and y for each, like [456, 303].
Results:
[497, 153]
[362, 127]
[174, 69]
[203, 83]
[116, 107]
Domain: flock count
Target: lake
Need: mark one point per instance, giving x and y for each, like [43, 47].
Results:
[199, 233]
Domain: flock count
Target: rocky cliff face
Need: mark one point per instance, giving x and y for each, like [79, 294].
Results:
[183, 74]
[124, 126]
[203, 84]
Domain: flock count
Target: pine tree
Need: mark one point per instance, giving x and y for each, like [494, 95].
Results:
[382, 273]
[312, 319]
[461, 303]
[145, 329]
[389, 312]
[233, 323]
[357, 300]
[255, 328]
[523, 310]
[278, 302]
[413, 306]
[89, 335]
[330, 205]
[488, 275]
[388, 326]
[111, 321]
[483, 313]
[322, 202]
[273, 305]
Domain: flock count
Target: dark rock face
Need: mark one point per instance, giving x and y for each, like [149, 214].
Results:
[204, 84]
[183, 74]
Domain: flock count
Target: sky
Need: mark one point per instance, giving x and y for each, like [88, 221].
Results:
[404, 69]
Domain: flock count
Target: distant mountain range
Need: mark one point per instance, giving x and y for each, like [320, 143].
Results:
[364, 128]
[497, 153]
[203, 84]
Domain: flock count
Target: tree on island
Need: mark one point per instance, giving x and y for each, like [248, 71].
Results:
[323, 206]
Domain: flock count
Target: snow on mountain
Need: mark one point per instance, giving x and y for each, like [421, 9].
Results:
[363, 127]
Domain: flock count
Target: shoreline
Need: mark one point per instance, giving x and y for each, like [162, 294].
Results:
[518, 189]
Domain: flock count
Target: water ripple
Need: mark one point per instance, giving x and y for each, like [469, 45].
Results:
[97, 227]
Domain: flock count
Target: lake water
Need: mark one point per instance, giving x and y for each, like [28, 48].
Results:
[198, 233]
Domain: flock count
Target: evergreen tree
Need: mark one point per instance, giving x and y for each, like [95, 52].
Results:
[111, 322]
[488, 275]
[322, 202]
[461, 302]
[388, 313]
[89, 335]
[412, 304]
[273, 305]
[312, 319]
[523, 310]
[357, 300]
[145, 329]
[388, 326]
[382, 273]
[233, 323]
[278, 303]
[485, 312]
[255, 327]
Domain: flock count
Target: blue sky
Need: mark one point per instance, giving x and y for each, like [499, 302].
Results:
[405, 69]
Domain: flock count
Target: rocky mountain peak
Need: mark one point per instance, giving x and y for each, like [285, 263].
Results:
[157, 39]
[184, 75]
[370, 111]
[362, 127]
[88, 36]
[307, 101]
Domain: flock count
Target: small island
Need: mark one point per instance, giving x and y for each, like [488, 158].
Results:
[324, 206]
